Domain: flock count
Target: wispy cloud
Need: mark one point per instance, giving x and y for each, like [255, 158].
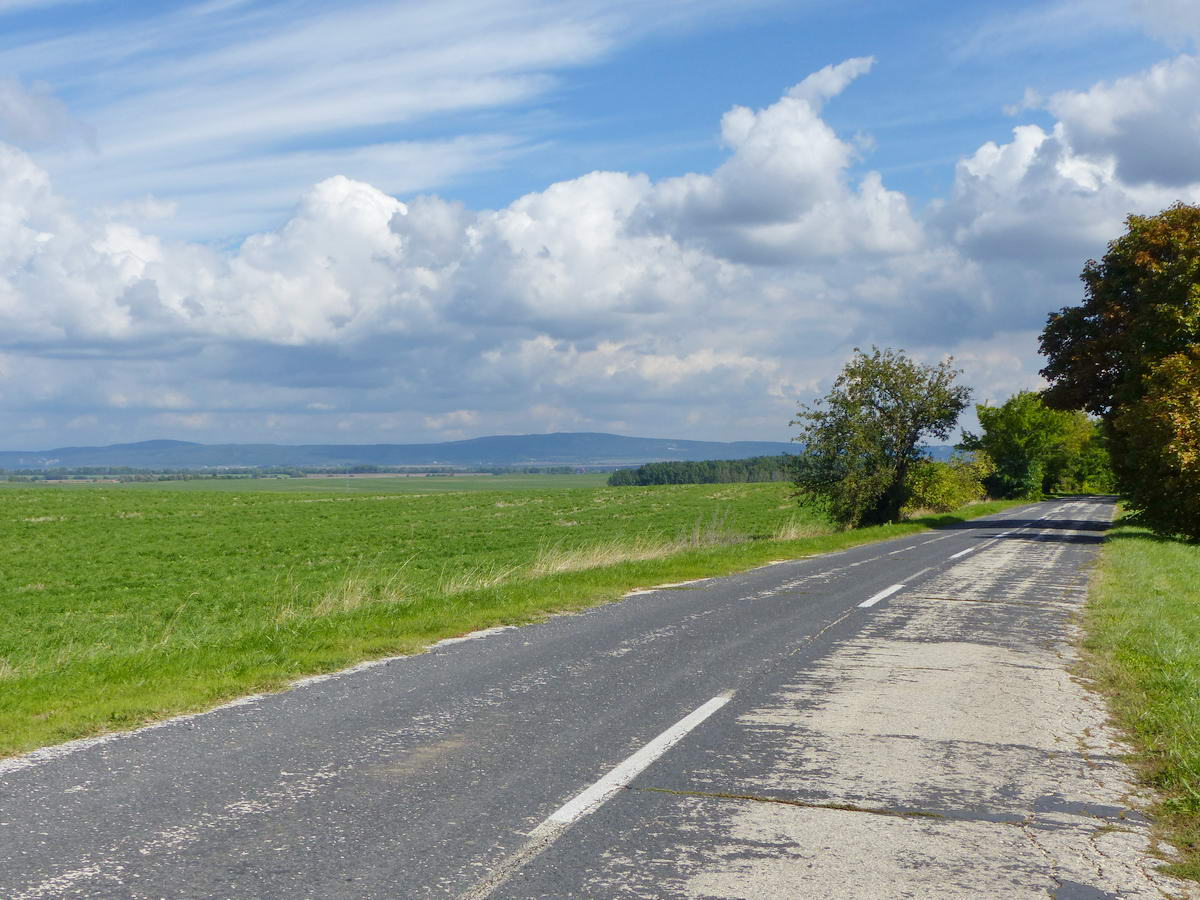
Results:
[32, 116]
[14, 6]
[195, 99]
[1040, 25]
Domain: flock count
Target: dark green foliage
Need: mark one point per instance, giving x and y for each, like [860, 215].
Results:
[1130, 353]
[863, 437]
[713, 471]
[1037, 449]
[1159, 443]
[1141, 304]
[623, 478]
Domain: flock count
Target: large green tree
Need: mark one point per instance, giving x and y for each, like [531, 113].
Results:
[1130, 353]
[1037, 449]
[863, 437]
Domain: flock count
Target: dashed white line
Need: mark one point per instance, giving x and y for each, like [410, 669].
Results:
[885, 593]
[592, 798]
[936, 539]
[589, 800]
[962, 553]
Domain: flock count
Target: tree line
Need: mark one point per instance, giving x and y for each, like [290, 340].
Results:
[1122, 409]
[712, 471]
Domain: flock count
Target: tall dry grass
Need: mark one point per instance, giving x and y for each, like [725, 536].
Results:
[794, 529]
[354, 590]
[556, 558]
[476, 578]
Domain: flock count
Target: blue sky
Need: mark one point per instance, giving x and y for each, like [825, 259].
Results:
[237, 220]
[645, 100]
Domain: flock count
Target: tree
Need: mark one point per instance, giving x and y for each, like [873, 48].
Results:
[1159, 439]
[1037, 449]
[1129, 353]
[862, 438]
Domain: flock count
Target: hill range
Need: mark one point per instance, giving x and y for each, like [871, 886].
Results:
[558, 449]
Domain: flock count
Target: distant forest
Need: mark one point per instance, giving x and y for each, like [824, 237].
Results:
[712, 471]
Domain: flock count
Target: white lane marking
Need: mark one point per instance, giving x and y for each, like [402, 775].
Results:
[637, 592]
[1003, 534]
[444, 642]
[903, 550]
[962, 553]
[936, 539]
[592, 798]
[885, 593]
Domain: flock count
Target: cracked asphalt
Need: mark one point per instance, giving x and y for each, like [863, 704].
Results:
[896, 720]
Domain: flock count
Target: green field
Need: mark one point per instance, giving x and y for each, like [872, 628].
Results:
[1143, 650]
[356, 484]
[121, 604]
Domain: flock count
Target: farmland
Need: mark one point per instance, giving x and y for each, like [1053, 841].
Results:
[358, 484]
[122, 604]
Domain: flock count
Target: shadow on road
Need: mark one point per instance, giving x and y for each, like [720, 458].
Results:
[1093, 529]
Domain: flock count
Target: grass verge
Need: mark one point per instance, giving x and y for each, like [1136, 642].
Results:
[1142, 649]
[122, 607]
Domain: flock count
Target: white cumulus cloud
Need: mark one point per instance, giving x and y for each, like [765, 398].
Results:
[704, 304]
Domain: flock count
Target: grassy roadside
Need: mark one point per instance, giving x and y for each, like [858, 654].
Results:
[121, 607]
[1142, 649]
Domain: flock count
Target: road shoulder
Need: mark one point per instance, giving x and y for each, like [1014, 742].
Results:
[945, 750]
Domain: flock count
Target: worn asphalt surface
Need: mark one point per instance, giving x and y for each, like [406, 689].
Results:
[930, 744]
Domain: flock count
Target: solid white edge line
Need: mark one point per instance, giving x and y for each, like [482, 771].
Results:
[962, 553]
[592, 798]
[43, 755]
[886, 592]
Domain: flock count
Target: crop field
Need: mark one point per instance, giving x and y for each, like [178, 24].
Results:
[355, 484]
[122, 604]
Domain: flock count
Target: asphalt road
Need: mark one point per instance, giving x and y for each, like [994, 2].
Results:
[633, 749]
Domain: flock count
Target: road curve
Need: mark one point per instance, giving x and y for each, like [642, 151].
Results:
[891, 720]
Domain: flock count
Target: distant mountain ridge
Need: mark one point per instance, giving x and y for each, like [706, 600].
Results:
[561, 448]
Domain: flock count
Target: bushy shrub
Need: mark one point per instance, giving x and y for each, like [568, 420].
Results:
[945, 486]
